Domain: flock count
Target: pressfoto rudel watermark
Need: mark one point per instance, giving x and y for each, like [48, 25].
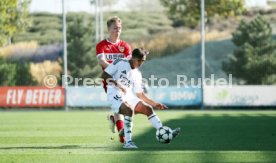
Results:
[51, 81]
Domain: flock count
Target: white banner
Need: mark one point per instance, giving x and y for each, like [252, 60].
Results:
[171, 96]
[240, 95]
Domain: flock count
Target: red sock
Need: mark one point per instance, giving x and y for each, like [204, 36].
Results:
[119, 125]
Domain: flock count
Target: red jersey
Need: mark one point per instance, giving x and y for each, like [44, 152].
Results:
[112, 51]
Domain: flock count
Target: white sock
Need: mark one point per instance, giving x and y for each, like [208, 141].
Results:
[128, 128]
[155, 121]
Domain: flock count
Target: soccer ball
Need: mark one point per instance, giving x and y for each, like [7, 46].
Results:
[164, 135]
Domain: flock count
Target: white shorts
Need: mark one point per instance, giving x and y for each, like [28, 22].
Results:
[116, 98]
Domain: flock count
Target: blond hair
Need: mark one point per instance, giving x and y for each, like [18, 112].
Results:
[111, 20]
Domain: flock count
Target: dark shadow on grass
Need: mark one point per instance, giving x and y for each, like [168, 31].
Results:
[211, 136]
[225, 132]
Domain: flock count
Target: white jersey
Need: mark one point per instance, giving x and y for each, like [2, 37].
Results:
[130, 79]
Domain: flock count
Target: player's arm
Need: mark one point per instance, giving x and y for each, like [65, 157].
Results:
[100, 53]
[140, 93]
[149, 101]
[108, 78]
[102, 61]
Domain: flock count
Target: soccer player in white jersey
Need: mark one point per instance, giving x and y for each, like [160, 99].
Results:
[125, 93]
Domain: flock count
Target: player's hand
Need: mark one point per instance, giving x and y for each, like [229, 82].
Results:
[121, 88]
[161, 106]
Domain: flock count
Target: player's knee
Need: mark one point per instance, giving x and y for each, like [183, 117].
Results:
[126, 110]
[119, 117]
[148, 110]
[129, 112]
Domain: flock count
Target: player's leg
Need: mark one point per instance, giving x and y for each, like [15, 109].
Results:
[142, 108]
[116, 100]
[119, 106]
[110, 118]
[111, 121]
[128, 113]
[119, 121]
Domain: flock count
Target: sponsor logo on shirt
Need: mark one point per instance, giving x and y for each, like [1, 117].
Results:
[124, 80]
[113, 57]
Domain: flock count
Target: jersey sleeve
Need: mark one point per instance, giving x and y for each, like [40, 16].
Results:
[128, 51]
[99, 49]
[137, 87]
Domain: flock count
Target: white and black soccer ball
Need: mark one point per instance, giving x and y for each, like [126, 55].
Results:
[164, 135]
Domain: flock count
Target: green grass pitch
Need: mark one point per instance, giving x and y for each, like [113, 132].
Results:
[83, 136]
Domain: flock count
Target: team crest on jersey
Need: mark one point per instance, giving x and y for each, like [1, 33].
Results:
[121, 49]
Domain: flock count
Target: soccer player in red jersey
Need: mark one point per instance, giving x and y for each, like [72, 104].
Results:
[107, 51]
